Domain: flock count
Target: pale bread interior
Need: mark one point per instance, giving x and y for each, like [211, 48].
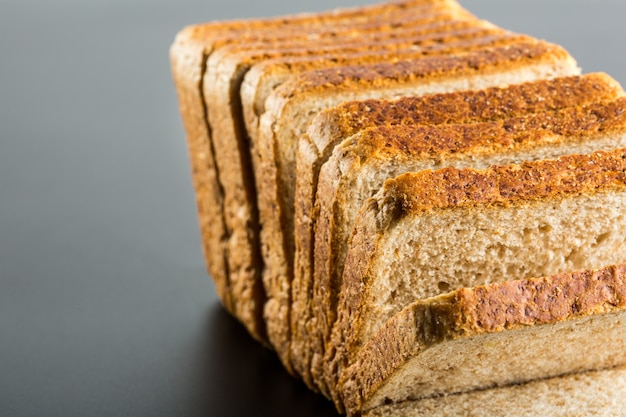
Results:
[589, 394]
[507, 357]
[372, 176]
[442, 250]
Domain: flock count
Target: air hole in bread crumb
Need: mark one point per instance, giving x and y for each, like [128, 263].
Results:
[602, 238]
[443, 286]
[545, 228]
[575, 257]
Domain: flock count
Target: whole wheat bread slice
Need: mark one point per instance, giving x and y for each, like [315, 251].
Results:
[494, 335]
[293, 104]
[222, 81]
[430, 232]
[587, 394]
[189, 53]
[360, 165]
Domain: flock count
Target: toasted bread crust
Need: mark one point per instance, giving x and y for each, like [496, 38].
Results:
[486, 309]
[483, 138]
[205, 33]
[384, 74]
[428, 30]
[506, 185]
[345, 120]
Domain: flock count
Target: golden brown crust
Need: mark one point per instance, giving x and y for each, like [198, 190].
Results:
[469, 312]
[545, 300]
[374, 31]
[385, 142]
[347, 119]
[429, 37]
[187, 67]
[204, 33]
[427, 69]
[507, 185]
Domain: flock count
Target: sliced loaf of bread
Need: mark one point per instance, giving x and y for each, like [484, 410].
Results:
[226, 69]
[361, 164]
[292, 105]
[332, 126]
[189, 54]
[455, 229]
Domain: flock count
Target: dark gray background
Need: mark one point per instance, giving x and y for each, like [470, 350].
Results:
[105, 306]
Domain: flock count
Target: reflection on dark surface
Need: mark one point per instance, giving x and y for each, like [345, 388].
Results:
[244, 378]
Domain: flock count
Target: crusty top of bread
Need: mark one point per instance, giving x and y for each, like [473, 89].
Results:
[434, 22]
[512, 304]
[389, 142]
[388, 25]
[206, 31]
[414, 193]
[427, 69]
[410, 41]
[349, 118]
[459, 37]
[371, 32]
[195, 42]
[333, 53]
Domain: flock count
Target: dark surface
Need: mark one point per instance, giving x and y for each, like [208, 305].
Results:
[105, 308]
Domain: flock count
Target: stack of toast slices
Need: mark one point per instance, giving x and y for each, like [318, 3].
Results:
[419, 211]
